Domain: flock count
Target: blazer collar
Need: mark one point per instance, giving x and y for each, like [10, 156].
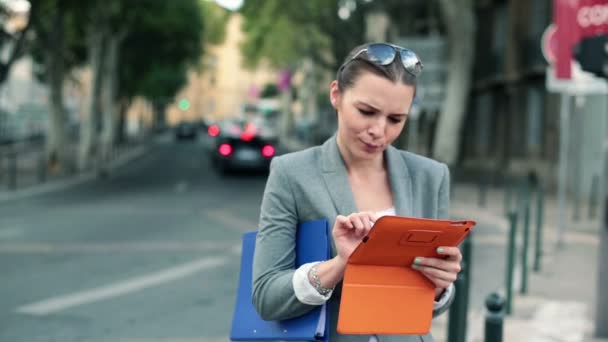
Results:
[336, 179]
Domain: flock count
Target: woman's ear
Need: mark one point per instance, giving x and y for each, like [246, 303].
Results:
[334, 94]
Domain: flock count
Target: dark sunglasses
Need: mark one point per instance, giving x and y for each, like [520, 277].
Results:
[384, 54]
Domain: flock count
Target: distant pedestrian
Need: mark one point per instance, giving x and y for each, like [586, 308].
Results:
[352, 179]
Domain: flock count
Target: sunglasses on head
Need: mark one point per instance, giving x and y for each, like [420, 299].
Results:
[384, 54]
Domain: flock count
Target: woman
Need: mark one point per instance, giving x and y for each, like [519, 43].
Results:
[352, 179]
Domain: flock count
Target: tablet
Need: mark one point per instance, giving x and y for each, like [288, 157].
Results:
[381, 293]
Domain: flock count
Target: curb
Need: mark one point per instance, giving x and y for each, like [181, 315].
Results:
[71, 181]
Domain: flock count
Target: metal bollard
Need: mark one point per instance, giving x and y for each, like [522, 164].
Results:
[540, 206]
[41, 167]
[524, 252]
[457, 317]
[494, 318]
[12, 171]
[508, 195]
[508, 184]
[483, 190]
[453, 175]
[510, 261]
[593, 197]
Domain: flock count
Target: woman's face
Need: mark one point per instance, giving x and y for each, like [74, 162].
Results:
[371, 114]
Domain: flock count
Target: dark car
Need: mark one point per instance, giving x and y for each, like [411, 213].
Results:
[186, 131]
[241, 145]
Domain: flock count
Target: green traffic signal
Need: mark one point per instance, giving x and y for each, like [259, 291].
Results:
[184, 104]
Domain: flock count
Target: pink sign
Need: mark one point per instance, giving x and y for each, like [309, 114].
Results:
[284, 80]
[575, 20]
[254, 91]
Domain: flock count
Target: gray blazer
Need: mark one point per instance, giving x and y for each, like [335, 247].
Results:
[313, 184]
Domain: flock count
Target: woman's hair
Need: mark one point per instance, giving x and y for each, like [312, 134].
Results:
[352, 69]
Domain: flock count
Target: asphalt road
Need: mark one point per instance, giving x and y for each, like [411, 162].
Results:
[150, 254]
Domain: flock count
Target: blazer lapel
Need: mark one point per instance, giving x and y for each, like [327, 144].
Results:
[336, 178]
[400, 181]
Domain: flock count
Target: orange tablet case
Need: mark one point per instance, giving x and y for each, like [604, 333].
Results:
[381, 293]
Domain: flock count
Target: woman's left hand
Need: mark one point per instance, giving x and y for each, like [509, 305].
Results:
[441, 271]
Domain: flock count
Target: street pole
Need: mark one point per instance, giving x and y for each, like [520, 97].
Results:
[563, 166]
[601, 310]
[577, 129]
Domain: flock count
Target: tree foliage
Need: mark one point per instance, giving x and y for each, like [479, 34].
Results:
[214, 19]
[164, 39]
[60, 32]
[282, 32]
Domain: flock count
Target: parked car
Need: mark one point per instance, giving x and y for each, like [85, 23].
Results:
[240, 144]
[186, 131]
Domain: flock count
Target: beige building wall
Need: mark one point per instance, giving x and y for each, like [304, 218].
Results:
[223, 86]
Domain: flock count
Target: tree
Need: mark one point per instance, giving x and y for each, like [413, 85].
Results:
[459, 22]
[152, 43]
[57, 48]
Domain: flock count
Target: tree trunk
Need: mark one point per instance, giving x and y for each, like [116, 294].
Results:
[109, 91]
[308, 96]
[287, 122]
[460, 26]
[56, 144]
[121, 136]
[377, 23]
[88, 128]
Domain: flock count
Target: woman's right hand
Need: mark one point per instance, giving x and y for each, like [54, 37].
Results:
[349, 230]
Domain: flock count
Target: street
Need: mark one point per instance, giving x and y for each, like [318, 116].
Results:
[152, 253]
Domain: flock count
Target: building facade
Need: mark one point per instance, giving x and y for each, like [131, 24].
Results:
[512, 126]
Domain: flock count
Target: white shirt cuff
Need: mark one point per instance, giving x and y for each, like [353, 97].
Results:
[445, 297]
[305, 292]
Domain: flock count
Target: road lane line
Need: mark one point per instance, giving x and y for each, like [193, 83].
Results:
[60, 303]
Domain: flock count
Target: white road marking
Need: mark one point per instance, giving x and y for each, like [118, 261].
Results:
[60, 303]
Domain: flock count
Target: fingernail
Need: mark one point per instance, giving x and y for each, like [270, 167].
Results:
[418, 261]
[416, 267]
[440, 250]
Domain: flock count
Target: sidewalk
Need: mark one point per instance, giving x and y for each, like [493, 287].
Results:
[29, 186]
[560, 302]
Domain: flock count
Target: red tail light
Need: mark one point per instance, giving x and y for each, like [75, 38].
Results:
[225, 150]
[213, 130]
[247, 136]
[249, 132]
[268, 151]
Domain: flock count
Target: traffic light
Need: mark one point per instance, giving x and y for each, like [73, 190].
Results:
[592, 54]
[183, 104]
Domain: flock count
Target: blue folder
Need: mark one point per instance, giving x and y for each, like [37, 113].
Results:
[312, 244]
